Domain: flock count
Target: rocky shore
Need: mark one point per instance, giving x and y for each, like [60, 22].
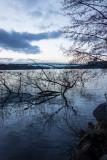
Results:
[93, 143]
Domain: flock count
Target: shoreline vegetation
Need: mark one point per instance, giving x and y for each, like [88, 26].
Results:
[89, 65]
[93, 143]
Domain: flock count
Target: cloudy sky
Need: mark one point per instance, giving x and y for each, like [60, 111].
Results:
[29, 29]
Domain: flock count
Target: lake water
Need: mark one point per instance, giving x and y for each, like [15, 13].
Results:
[47, 131]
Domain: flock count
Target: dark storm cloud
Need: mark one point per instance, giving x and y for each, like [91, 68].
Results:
[20, 42]
[15, 41]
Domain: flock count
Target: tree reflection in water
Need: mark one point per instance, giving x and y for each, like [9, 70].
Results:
[39, 90]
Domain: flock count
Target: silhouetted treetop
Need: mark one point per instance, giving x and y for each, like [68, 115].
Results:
[87, 28]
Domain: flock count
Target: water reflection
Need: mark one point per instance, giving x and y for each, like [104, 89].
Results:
[45, 122]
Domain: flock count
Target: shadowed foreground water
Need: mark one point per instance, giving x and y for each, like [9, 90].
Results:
[45, 131]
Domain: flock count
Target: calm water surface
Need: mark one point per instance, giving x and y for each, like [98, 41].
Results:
[44, 132]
